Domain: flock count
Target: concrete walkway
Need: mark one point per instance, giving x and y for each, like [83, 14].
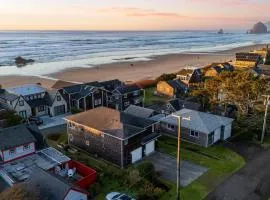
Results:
[165, 165]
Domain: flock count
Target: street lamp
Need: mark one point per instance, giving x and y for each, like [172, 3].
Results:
[178, 117]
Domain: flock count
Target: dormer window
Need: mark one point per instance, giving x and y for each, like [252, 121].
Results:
[21, 103]
[58, 98]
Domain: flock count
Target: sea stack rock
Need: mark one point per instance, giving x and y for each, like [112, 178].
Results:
[20, 61]
[259, 28]
[221, 31]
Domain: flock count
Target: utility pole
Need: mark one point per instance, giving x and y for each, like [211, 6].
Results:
[178, 153]
[267, 103]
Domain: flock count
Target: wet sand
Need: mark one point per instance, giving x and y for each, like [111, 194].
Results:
[130, 71]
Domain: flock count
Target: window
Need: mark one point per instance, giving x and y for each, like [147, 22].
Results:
[137, 101]
[71, 138]
[26, 147]
[87, 142]
[127, 103]
[27, 98]
[11, 152]
[136, 92]
[194, 133]
[21, 103]
[125, 96]
[41, 109]
[170, 126]
[97, 102]
[116, 97]
[58, 98]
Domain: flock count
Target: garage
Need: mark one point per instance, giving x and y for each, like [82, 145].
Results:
[149, 147]
[136, 155]
[59, 110]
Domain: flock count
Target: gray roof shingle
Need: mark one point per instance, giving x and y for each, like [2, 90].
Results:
[15, 136]
[139, 111]
[50, 186]
[199, 121]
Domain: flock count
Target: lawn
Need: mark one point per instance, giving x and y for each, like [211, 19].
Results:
[222, 162]
[151, 98]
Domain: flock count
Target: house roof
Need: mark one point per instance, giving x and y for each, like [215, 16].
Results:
[179, 104]
[199, 121]
[123, 89]
[85, 90]
[139, 111]
[15, 136]
[160, 107]
[73, 88]
[27, 89]
[7, 96]
[177, 84]
[59, 84]
[106, 120]
[111, 84]
[131, 120]
[50, 186]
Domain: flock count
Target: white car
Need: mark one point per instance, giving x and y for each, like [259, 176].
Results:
[118, 196]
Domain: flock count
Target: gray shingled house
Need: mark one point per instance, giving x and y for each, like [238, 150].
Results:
[197, 127]
[116, 136]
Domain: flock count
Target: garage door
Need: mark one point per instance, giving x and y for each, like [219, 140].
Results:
[136, 155]
[59, 110]
[149, 147]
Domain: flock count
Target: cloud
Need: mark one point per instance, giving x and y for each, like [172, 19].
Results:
[139, 12]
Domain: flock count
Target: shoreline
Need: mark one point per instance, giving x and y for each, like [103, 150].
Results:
[129, 70]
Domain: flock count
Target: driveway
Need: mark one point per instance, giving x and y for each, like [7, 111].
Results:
[165, 165]
[250, 183]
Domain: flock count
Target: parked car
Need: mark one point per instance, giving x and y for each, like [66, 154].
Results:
[118, 196]
[37, 120]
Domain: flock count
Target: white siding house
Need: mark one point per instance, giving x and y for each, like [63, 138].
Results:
[16, 142]
[33, 100]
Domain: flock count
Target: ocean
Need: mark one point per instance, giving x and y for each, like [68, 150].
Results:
[54, 51]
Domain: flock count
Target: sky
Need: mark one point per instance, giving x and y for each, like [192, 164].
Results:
[132, 14]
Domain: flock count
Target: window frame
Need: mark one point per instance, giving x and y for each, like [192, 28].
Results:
[194, 134]
[58, 98]
[21, 103]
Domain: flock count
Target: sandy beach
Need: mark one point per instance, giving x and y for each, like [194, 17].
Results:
[130, 71]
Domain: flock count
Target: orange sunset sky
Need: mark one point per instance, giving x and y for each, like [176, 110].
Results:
[131, 14]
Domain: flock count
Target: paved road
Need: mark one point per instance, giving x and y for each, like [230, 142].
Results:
[250, 183]
[165, 165]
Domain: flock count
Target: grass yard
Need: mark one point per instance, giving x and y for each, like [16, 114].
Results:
[222, 162]
[151, 98]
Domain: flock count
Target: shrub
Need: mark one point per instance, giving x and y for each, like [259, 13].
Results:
[94, 189]
[166, 77]
[147, 171]
[133, 177]
[11, 118]
[150, 190]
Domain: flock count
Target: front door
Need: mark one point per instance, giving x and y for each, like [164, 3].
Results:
[33, 111]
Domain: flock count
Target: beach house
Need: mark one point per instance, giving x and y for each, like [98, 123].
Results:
[247, 60]
[24, 151]
[215, 69]
[113, 93]
[172, 88]
[200, 128]
[191, 77]
[33, 100]
[115, 136]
